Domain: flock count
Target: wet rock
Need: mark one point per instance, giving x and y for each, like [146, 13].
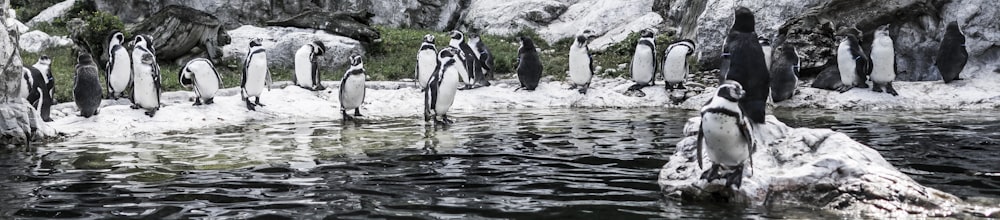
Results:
[37, 41]
[812, 168]
[281, 44]
[19, 122]
[355, 26]
[179, 31]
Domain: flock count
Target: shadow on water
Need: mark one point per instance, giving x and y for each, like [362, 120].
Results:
[579, 164]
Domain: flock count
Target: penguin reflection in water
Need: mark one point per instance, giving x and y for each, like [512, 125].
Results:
[726, 135]
[352, 88]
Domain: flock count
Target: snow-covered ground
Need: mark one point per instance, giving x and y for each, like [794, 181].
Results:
[401, 99]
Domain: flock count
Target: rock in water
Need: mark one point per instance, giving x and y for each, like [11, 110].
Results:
[178, 30]
[19, 123]
[815, 168]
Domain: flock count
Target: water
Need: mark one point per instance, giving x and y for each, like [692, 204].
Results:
[579, 164]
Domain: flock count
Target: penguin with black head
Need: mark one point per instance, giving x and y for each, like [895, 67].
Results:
[643, 65]
[675, 65]
[529, 64]
[427, 61]
[581, 64]
[87, 86]
[746, 65]
[442, 87]
[952, 54]
[118, 71]
[852, 63]
[352, 88]
[41, 86]
[307, 67]
[883, 57]
[256, 75]
[146, 74]
[726, 135]
[784, 73]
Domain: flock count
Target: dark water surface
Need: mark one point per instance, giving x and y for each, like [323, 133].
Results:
[553, 163]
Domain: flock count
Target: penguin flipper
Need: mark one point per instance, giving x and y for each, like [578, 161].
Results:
[748, 136]
[698, 142]
[267, 82]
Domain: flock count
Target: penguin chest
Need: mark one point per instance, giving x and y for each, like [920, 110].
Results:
[767, 55]
[847, 64]
[579, 65]
[145, 92]
[724, 143]
[642, 65]
[121, 73]
[446, 90]
[426, 64]
[256, 75]
[883, 61]
[353, 92]
[675, 65]
[303, 67]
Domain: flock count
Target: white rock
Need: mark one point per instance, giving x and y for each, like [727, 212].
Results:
[282, 42]
[601, 17]
[51, 13]
[507, 17]
[37, 41]
[618, 34]
[10, 19]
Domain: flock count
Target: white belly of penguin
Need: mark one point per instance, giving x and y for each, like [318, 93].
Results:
[723, 142]
[303, 67]
[447, 90]
[205, 80]
[145, 87]
[883, 61]
[642, 65]
[121, 74]
[354, 92]
[426, 64]
[674, 68]
[767, 55]
[256, 75]
[846, 64]
[579, 65]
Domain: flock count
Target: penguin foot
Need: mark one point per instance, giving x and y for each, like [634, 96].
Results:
[444, 118]
[877, 88]
[635, 93]
[572, 86]
[251, 106]
[861, 85]
[583, 90]
[357, 112]
[711, 174]
[258, 102]
[319, 88]
[134, 106]
[890, 90]
[347, 117]
[681, 86]
[844, 88]
[150, 113]
[197, 102]
[209, 101]
[736, 177]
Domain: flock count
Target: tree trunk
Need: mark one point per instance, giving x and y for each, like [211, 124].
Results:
[19, 122]
[181, 32]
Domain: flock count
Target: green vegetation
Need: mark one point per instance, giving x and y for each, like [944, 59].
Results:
[27, 9]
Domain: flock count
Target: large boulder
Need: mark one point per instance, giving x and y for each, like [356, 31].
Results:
[179, 31]
[51, 13]
[37, 41]
[19, 122]
[811, 168]
[281, 44]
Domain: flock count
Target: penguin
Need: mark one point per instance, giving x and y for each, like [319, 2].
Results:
[852, 63]
[352, 88]
[828, 78]
[675, 65]
[442, 87]
[952, 54]
[581, 64]
[784, 73]
[118, 70]
[643, 68]
[883, 61]
[765, 46]
[146, 75]
[87, 86]
[427, 61]
[470, 59]
[41, 86]
[200, 74]
[529, 65]
[726, 134]
[486, 59]
[745, 60]
[306, 66]
[256, 75]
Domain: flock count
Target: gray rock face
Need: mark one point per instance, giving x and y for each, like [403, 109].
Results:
[812, 168]
[19, 122]
[281, 44]
[916, 25]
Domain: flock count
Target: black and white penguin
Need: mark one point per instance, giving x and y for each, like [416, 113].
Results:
[41, 86]
[443, 85]
[852, 62]
[529, 65]
[306, 66]
[765, 46]
[352, 88]
[675, 65]
[784, 73]
[256, 75]
[87, 86]
[952, 55]
[581, 64]
[643, 65]
[746, 65]
[118, 70]
[486, 59]
[883, 61]
[726, 134]
[146, 75]
[200, 74]
[470, 60]
[427, 61]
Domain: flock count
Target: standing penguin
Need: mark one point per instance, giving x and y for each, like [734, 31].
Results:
[470, 60]
[883, 61]
[746, 65]
[784, 73]
[256, 75]
[427, 61]
[41, 86]
[581, 64]
[529, 65]
[852, 63]
[352, 88]
[87, 86]
[306, 66]
[200, 75]
[726, 134]
[486, 59]
[146, 73]
[675, 65]
[952, 55]
[443, 85]
[765, 46]
[118, 70]
[643, 66]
